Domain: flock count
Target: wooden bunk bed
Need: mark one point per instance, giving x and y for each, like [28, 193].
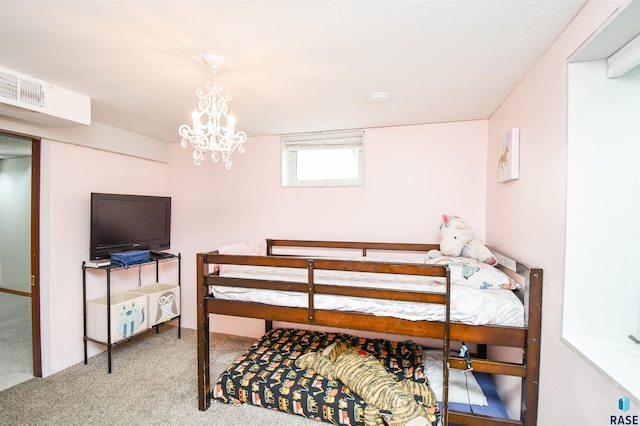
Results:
[279, 255]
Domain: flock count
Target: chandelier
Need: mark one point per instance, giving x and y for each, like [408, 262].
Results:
[213, 128]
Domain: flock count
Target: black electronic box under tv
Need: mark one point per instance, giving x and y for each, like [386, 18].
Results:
[121, 222]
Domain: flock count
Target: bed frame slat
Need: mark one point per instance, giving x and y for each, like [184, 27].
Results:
[491, 367]
[459, 417]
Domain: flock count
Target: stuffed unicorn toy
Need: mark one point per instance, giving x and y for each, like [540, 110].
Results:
[458, 239]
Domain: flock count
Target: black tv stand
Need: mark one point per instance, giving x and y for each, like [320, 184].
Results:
[89, 266]
[153, 254]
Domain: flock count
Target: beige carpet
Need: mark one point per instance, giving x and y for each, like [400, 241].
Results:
[154, 382]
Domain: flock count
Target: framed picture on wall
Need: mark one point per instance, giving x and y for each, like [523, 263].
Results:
[509, 156]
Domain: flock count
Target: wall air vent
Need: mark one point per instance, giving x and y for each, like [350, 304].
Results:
[21, 90]
[29, 99]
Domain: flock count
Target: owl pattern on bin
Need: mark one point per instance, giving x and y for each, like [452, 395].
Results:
[166, 307]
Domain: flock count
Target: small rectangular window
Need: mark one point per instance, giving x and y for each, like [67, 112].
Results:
[323, 159]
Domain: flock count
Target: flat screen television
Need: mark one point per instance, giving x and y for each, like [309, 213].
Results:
[121, 222]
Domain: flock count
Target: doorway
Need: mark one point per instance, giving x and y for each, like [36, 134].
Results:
[20, 358]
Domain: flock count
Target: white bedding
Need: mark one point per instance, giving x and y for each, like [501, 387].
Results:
[468, 305]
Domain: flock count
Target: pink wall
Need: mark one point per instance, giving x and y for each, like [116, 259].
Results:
[413, 175]
[527, 218]
[70, 173]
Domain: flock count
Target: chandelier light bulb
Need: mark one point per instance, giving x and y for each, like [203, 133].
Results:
[231, 124]
[212, 136]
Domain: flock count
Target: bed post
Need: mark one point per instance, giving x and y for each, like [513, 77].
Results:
[268, 324]
[204, 390]
[532, 350]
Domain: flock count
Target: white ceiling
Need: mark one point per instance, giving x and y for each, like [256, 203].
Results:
[292, 66]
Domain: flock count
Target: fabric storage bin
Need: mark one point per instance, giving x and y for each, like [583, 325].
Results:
[163, 301]
[128, 316]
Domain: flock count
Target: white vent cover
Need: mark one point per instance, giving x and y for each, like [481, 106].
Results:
[37, 101]
[21, 90]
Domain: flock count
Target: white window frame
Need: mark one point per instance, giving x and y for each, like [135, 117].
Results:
[292, 144]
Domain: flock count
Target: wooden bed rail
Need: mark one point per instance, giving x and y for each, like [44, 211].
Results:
[350, 245]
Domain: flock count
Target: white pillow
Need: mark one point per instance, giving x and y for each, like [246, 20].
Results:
[432, 360]
[475, 274]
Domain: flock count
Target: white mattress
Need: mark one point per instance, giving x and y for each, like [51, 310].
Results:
[468, 305]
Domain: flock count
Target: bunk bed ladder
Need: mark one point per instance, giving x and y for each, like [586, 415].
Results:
[446, 350]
